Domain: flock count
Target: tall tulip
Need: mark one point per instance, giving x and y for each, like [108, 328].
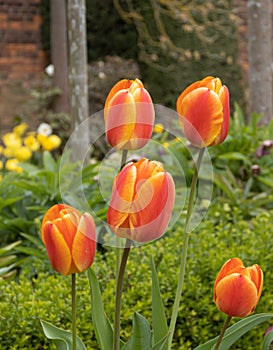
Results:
[203, 109]
[129, 115]
[142, 201]
[237, 288]
[69, 238]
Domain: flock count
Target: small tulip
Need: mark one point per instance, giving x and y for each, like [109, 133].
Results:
[129, 115]
[142, 201]
[203, 109]
[237, 288]
[69, 238]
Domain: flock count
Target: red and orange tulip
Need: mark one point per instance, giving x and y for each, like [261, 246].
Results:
[129, 115]
[142, 201]
[237, 288]
[203, 109]
[69, 238]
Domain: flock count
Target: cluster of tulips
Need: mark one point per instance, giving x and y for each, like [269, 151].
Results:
[143, 193]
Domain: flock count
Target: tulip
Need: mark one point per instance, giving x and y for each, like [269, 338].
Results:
[142, 201]
[69, 238]
[129, 115]
[237, 288]
[203, 109]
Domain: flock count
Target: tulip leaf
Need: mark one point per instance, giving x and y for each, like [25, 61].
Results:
[161, 344]
[235, 156]
[268, 340]
[160, 327]
[61, 338]
[236, 331]
[141, 337]
[102, 326]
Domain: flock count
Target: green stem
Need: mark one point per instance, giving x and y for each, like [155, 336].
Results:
[74, 329]
[118, 240]
[119, 286]
[225, 326]
[184, 252]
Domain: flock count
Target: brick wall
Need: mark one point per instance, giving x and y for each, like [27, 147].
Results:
[21, 54]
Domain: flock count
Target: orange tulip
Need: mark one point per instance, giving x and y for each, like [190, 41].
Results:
[142, 201]
[129, 115]
[203, 109]
[237, 288]
[70, 239]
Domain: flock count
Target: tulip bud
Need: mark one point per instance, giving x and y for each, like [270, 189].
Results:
[237, 288]
[129, 115]
[203, 109]
[69, 238]
[142, 201]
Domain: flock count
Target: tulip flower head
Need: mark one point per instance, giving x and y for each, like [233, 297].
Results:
[128, 115]
[204, 114]
[237, 288]
[69, 238]
[142, 201]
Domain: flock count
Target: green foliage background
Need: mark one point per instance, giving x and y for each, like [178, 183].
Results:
[40, 293]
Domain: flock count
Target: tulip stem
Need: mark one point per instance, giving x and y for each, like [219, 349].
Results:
[225, 326]
[119, 286]
[74, 330]
[184, 252]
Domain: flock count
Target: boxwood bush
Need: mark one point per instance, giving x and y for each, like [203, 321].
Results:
[42, 294]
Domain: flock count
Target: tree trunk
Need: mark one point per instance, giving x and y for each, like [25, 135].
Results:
[58, 38]
[78, 75]
[260, 57]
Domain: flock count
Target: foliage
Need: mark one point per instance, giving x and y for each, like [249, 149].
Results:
[23, 303]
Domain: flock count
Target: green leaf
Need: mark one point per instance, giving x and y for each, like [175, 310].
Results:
[235, 156]
[103, 329]
[268, 339]
[48, 161]
[141, 337]
[6, 260]
[236, 331]
[161, 344]
[61, 338]
[9, 247]
[160, 327]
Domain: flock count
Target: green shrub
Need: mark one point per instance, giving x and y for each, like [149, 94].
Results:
[42, 294]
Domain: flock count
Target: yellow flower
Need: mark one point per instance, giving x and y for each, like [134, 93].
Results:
[1, 149]
[9, 152]
[20, 129]
[32, 143]
[22, 153]
[158, 128]
[12, 165]
[12, 140]
[166, 144]
[49, 143]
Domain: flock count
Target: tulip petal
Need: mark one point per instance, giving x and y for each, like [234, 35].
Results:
[123, 84]
[152, 208]
[224, 98]
[201, 115]
[84, 245]
[256, 275]
[122, 195]
[120, 118]
[236, 295]
[57, 211]
[57, 249]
